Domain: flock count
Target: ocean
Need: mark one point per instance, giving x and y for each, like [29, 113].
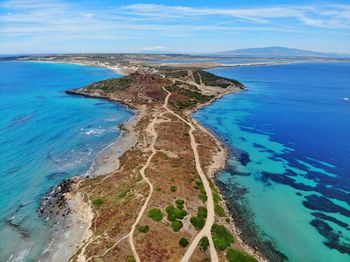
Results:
[287, 179]
[45, 136]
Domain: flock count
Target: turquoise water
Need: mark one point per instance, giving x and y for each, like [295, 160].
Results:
[45, 136]
[289, 136]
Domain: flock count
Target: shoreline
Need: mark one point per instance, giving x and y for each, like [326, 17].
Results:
[74, 229]
[107, 162]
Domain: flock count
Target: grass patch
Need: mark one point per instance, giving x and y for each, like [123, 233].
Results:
[183, 242]
[175, 213]
[143, 229]
[122, 194]
[97, 202]
[155, 214]
[173, 189]
[204, 244]
[222, 238]
[235, 255]
[176, 225]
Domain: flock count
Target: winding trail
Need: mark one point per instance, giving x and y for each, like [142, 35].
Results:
[206, 230]
[150, 130]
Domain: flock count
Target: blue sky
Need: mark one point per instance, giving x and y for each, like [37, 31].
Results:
[62, 26]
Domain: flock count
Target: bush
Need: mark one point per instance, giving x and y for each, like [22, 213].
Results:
[198, 222]
[97, 202]
[219, 210]
[204, 244]
[173, 188]
[143, 229]
[183, 242]
[175, 213]
[180, 203]
[235, 255]
[176, 225]
[202, 212]
[155, 214]
[221, 237]
[131, 259]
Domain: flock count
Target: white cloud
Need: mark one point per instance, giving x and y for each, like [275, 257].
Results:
[154, 48]
[45, 21]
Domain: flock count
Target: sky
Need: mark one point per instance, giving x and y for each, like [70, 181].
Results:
[197, 26]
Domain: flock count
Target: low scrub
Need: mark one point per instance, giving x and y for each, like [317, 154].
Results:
[155, 214]
[235, 255]
[222, 238]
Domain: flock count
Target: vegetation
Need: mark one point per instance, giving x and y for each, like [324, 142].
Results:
[204, 244]
[122, 194]
[222, 238]
[210, 79]
[191, 95]
[143, 229]
[176, 225]
[219, 210]
[175, 213]
[235, 255]
[202, 193]
[97, 202]
[173, 188]
[112, 84]
[176, 73]
[199, 221]
[131, 259]
[183, 242]
[155, 214]
[180, 203]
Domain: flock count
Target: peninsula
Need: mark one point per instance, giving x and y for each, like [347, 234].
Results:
[160, 204]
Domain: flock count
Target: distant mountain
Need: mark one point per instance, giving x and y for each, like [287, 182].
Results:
[276, 51]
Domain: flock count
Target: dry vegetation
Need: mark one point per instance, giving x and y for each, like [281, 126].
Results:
[176, 209]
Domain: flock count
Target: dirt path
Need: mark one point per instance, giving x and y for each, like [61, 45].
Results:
[151, 131]
[206, 230]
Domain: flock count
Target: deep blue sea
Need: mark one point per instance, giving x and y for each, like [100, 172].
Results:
[45, 136]
[289, 168]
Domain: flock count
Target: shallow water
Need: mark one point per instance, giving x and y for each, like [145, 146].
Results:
[290, 142]
[45, 136]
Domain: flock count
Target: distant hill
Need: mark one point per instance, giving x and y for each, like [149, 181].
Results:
[276, 51]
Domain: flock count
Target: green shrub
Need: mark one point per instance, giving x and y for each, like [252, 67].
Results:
[180, 203]
[97, 202]
[183, 242]
[176, 225]
[155, 214]
[198, 222]
[131, 259]
[222, 238]
[175, 213]
[173, 188]
[143, 229]
[202, 212]
[204, 244]
[235, 255]
[219, 210]
[216, 197]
